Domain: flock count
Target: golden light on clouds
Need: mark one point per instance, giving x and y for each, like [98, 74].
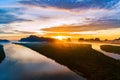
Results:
[74, 20]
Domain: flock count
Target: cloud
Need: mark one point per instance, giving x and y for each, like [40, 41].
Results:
[64, 16]
[7, 15]
[24, 32]
[103, 11]
[72, 4]
[93, 26]
[6, 29]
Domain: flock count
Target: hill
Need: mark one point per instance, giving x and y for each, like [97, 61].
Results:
[4, 40]
[33, 38]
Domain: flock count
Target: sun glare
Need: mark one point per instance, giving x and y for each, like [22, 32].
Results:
[59, 37]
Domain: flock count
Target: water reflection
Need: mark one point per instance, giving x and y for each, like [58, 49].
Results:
[96, 46]
[24, 64]
[3, 43]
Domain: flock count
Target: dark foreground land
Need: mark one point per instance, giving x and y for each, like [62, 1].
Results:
[80, 58]
[2, 54]
[111, 48]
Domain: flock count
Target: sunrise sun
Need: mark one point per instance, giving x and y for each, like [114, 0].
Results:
[59, 37]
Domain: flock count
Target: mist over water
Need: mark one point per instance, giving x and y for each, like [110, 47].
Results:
[22, 63]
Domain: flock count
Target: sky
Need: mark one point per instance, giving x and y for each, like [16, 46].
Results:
[68, 18]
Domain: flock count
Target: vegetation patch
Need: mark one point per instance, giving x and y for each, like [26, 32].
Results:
[111, 48]
[2, 54]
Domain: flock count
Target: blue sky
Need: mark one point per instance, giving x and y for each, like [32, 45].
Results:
[79, 17]
[8, 2]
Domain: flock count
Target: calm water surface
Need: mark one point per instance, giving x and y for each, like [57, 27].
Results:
[22, 63]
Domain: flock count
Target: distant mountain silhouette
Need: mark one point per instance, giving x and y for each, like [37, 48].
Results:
[33, 38]
[4, 40]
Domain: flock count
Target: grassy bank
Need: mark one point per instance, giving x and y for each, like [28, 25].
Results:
[110, 48]
[80, 58]
[2, 54]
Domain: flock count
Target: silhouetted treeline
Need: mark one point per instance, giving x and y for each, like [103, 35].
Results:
[117, 39]
[82, 39]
